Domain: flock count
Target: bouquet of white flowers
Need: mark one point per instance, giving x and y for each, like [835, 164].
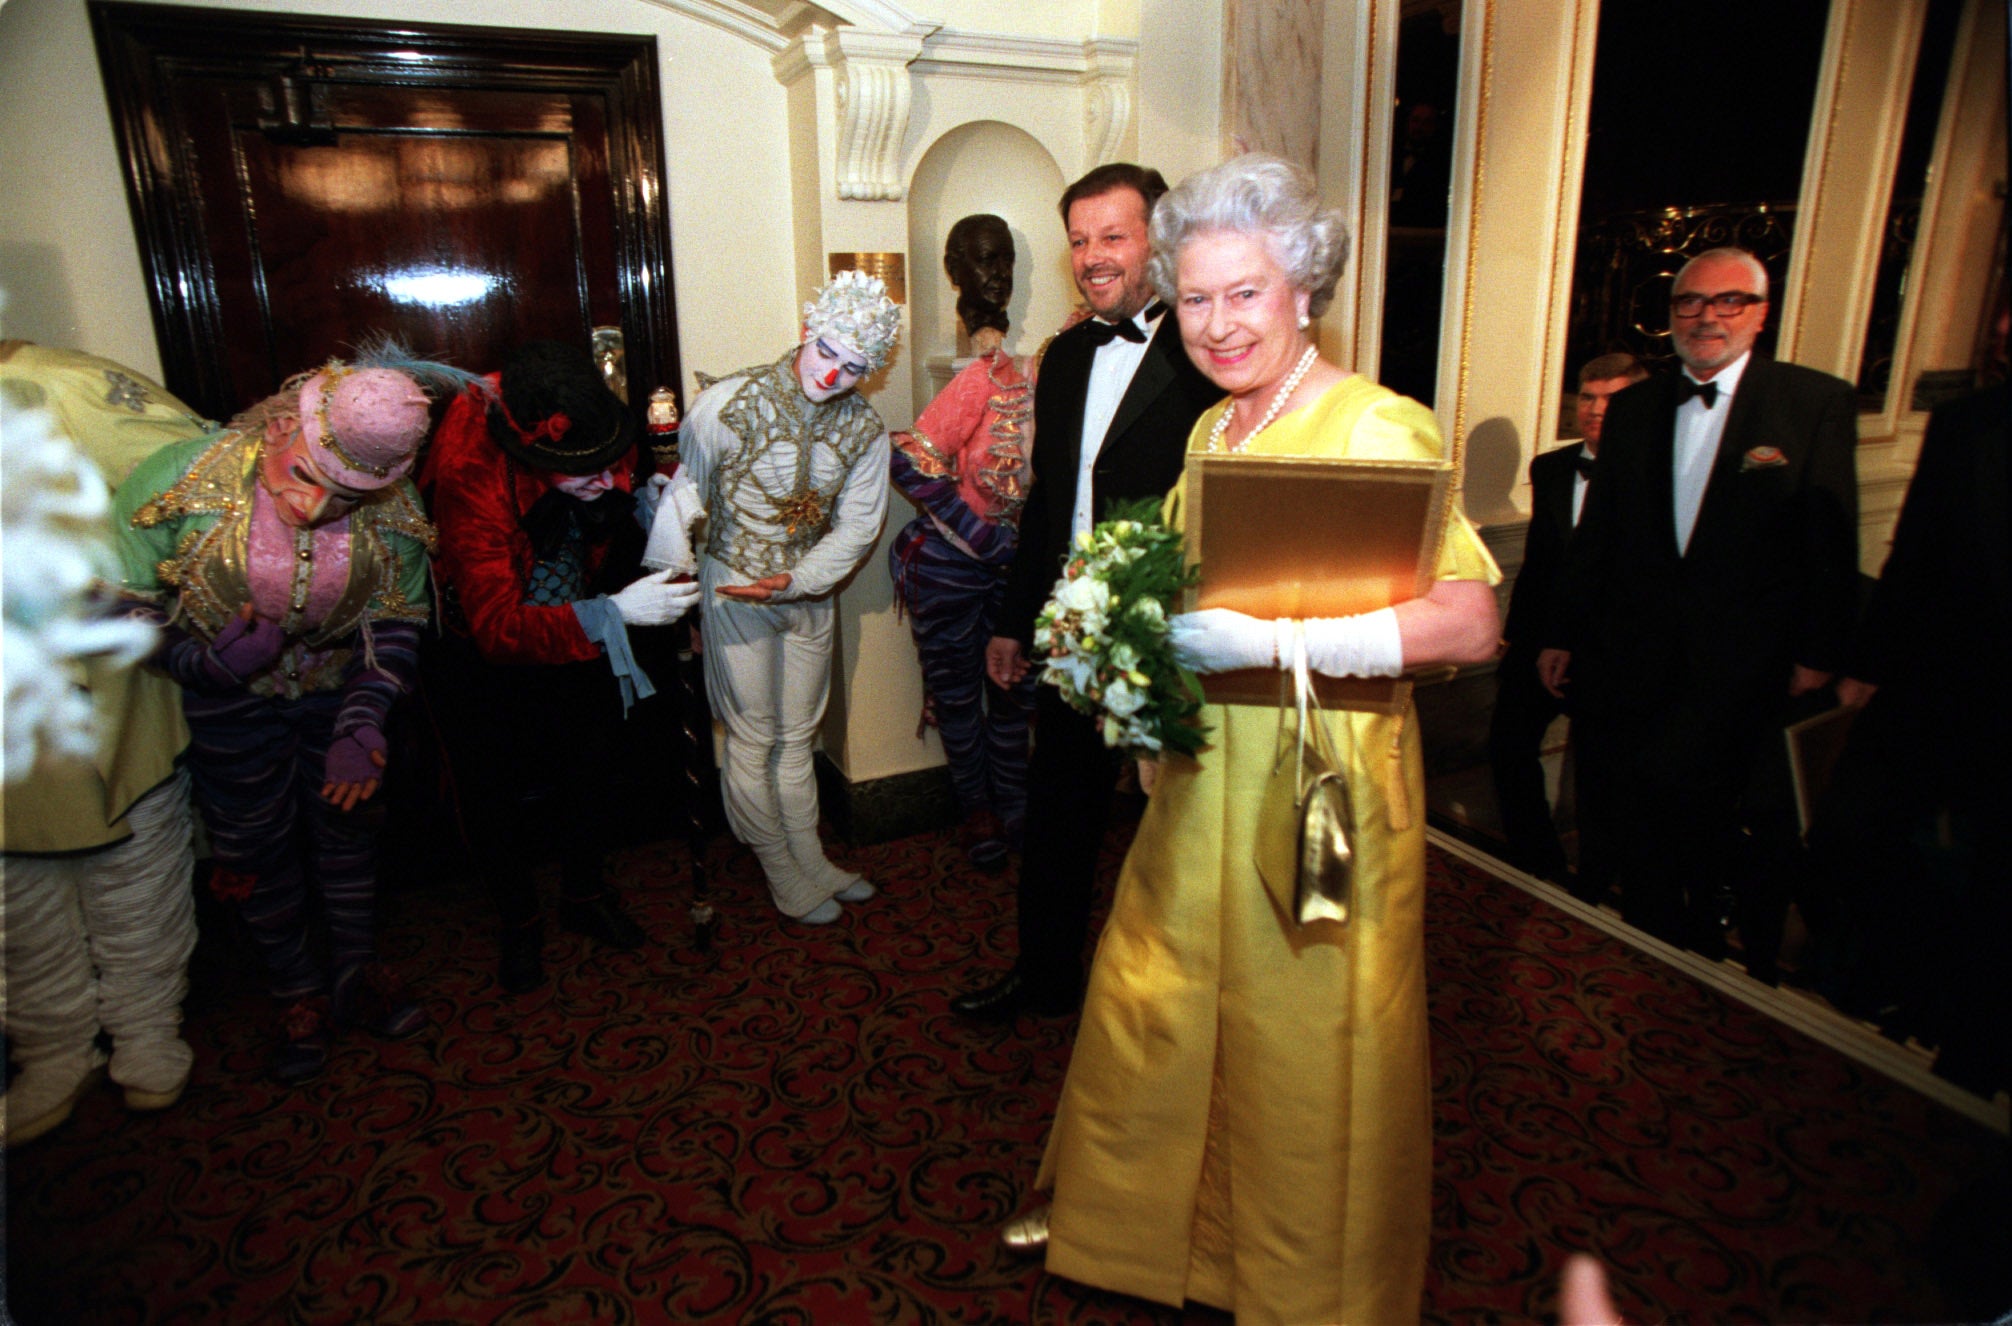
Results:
[1103, 634]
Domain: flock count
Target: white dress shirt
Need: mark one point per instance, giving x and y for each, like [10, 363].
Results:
[1697, 445]
[1579, 488]
[1110, 374]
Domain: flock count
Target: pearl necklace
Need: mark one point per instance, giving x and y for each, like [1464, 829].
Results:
[1285, 391]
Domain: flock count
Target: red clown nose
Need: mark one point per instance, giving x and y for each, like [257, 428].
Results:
[831, 378]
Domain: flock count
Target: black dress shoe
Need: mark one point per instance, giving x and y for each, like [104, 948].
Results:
[601, 919]
[1009, 997]
[523, 966]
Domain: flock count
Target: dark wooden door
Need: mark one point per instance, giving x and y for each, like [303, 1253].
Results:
[301, 183]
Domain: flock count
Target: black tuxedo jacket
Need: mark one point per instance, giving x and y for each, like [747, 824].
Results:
[1551, 478]
[1142, 455]
[1770, 577]
[1934, 633]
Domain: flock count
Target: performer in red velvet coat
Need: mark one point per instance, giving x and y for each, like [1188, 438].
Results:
[533, 492]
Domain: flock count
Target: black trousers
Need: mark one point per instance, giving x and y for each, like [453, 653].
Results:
[536, 751]
[1909, 888]
[1703, 816]
[1069, 788]
[1523, 711]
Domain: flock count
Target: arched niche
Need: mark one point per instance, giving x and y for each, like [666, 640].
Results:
[984, 166]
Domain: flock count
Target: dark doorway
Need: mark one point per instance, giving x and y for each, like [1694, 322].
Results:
[298, 183]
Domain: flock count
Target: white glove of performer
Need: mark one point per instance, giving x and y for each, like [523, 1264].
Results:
[653, 600]
[1224, 640]
[677, 506]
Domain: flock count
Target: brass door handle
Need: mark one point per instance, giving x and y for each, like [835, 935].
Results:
[611, 356]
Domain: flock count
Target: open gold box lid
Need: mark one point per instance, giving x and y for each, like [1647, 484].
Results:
[1295, 536]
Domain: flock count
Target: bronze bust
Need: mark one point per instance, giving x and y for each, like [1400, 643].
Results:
[978, 256]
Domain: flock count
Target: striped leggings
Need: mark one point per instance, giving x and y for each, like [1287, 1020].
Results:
[258, 765]
[953, 603]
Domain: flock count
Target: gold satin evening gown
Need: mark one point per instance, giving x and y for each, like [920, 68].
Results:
[1247, 1117]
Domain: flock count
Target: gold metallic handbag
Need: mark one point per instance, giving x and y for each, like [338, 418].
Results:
[1313, 813]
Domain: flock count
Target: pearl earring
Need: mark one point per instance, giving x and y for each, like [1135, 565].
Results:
[1304, 322]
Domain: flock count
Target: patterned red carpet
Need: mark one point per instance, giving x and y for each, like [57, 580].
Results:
[797, 1130]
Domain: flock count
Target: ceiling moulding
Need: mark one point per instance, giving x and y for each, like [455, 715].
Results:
[774, 24]
[998, 55]
[872, 71]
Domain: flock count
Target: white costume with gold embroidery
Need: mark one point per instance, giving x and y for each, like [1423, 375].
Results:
[788, 485]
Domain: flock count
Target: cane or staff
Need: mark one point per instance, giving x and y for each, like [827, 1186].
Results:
[663, 418]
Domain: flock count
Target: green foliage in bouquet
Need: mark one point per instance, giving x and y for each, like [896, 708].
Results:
[1103, 633]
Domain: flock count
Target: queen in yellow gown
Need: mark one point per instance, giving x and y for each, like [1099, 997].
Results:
[1247, 1117]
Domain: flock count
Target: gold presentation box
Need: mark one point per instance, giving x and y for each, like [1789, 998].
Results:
[1294, 536]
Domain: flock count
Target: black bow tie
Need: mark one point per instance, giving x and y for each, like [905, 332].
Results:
[1708, 392]
[1102, 333]
[1584, 463]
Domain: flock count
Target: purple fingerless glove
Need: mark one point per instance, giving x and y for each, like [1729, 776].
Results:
[349, 757]
[244, 649]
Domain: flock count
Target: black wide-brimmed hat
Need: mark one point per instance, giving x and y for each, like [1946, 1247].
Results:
[557, 412]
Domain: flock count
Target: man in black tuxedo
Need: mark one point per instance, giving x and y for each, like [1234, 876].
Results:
[1524, 709]
[1708, 590]
[1112, 411]
[1910, 890]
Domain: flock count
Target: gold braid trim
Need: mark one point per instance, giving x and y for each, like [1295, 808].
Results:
[398, 512]
[207, 569]
[929, 459]
[1003, 473]
[216, 481]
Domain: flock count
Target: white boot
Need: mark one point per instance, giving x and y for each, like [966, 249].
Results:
[807, 850]
[796, 894]
[139, 908]
[43, 1094]
[153, 1072]
[51, 994]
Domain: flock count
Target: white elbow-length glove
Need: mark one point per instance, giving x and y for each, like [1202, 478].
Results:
[1365, 645]
[1224, 640]
[653, 600]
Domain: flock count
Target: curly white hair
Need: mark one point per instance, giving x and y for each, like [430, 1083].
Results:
[1254, 194]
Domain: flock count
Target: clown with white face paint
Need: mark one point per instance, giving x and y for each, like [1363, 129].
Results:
[531, 478]
[792, 468]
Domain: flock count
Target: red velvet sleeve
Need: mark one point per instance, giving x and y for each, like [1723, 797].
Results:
[484, 553]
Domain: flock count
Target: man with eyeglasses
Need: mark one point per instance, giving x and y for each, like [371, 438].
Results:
[1707, 597]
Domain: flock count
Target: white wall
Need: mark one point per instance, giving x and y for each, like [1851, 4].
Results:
[1181, 86]
[68, 260]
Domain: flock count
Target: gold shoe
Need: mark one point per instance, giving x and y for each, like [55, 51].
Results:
[1027, 1235]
